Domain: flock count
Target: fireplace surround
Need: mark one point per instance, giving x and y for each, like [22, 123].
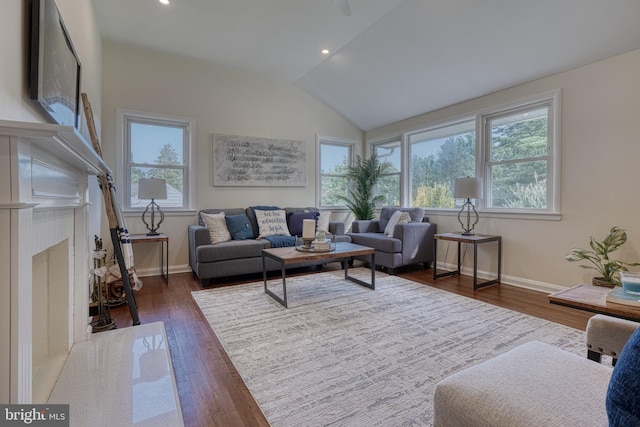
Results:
[45, 256]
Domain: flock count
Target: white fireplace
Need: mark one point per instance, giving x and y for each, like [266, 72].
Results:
[44, 254]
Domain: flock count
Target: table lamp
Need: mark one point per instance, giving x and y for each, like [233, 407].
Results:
[152, 188]
[468, 188]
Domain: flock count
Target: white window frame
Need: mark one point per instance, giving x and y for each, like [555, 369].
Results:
[436, 126]
[124, 117]
[372, 149]
[351, 144]
[551, 101]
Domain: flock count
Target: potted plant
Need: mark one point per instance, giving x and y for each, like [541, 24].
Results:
[599, 257]
[364, 174]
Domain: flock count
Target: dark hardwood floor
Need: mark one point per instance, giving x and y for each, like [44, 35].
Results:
[211, 391]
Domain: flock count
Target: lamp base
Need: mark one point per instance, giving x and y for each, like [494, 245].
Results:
[468, 206]
[152, 209]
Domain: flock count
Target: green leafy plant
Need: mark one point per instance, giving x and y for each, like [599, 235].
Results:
[599, 255]
[363, 175]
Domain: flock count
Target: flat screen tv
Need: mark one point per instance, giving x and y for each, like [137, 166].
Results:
[54, 68]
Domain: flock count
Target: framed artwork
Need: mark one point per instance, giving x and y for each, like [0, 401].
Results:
[255, 162]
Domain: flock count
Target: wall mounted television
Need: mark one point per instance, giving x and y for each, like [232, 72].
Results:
[54, 78]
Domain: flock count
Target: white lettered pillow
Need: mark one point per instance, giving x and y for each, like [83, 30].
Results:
[398, 217]
[217, 226]
[272, 223]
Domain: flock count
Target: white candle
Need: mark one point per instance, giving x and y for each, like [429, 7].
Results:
[308, 228]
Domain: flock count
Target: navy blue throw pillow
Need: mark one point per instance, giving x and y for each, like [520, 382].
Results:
[623, 394]
[295, 221]
[239, 226]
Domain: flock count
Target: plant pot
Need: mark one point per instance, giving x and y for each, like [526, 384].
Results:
[599, 281]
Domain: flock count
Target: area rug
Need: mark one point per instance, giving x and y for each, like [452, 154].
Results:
[345, 355]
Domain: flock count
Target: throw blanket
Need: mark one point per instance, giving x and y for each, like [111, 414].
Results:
[281, 241]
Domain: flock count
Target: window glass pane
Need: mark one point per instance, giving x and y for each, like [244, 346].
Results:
[519, 136]
[157, 144]
[389, 187]
[334, 161]
[175, 186]
[437, 157]
[389, 183]
[390, 152]
[332, 188]
[519, 185]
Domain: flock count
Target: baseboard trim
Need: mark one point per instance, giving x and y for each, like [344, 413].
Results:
[173, 269]
[519, 282]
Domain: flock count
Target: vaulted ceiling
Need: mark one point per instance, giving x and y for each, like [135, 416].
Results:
[390, 59]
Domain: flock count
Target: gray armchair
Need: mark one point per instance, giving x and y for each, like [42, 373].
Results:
[412, 242]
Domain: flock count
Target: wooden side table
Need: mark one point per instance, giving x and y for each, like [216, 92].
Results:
[161, 238]
[475, 239]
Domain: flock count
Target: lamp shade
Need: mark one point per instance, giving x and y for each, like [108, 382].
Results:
[152, 188]
[468, 188]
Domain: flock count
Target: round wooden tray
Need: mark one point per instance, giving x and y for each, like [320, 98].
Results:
[312, 249]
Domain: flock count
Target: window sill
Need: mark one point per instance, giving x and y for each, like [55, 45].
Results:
[535, 216]
[167, 213]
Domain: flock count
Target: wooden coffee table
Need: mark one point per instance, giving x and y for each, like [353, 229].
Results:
[290, 256]
[594, 299]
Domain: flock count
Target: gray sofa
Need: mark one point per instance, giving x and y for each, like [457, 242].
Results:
[535, 384]
[235, 257]
[412, 242]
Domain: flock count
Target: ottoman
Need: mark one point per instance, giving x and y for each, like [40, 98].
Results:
[534, 384]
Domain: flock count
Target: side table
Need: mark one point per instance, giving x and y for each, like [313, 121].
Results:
[161, 238]
[475, 239]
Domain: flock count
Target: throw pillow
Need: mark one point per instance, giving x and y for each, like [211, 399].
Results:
[398, 217]
[295, 221]
[272, 223]
[623, 394]
[239, 226]
[323, 221]
[217, 227]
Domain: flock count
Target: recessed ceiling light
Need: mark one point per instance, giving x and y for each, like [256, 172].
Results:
[325, 51]
[164, 1]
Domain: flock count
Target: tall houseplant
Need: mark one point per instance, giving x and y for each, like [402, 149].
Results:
[598, 256]
[363, 175]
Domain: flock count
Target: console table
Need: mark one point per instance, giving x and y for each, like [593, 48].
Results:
[161, 238]
[475, 240]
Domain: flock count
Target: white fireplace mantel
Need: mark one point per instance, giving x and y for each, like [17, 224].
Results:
[44, 171]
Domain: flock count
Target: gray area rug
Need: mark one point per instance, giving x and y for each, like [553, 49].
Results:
[345, 355]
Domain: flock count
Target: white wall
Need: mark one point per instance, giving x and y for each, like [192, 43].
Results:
[14, 50]
[15, 103]
[221, 100]
[600, 173]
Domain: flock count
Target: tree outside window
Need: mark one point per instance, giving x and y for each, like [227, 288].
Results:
[334, 164]
[389, 184]
[518, 159]
[437, 157]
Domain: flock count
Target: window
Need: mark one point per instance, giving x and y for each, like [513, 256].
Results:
[518, 158]
[389, 183]
[334, 157]
[156, 147]
[438, 156]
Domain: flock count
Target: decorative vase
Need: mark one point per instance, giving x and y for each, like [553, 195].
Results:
[599, 281]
